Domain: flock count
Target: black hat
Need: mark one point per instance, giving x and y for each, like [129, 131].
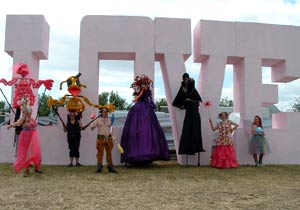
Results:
[185, 75]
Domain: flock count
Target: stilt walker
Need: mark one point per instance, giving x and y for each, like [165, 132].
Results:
[189, 99]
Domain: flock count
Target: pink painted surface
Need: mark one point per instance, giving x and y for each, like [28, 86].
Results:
[27, 39]
[172, 48]
[247, 46]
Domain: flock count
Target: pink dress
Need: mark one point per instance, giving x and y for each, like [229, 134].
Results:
[224, 155]
[29, 149]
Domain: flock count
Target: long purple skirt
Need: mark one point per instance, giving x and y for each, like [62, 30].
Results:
[143, 139]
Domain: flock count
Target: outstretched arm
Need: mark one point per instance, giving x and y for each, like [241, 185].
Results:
[9, 83]
[65, 128]
[89, 102]
[213, 128]
[47, 83]
[52, 102]
[94, 124]
[17, 123]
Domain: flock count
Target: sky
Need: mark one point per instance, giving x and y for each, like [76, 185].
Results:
[64, 19]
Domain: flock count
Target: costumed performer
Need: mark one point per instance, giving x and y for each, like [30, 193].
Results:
[104, 140]
[224, 155]
[73, 129]
[258, 143]
[29, 149]
[189, 99]
[74, 104]
[143, 138]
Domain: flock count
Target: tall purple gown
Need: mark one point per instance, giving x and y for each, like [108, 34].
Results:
[143, 139]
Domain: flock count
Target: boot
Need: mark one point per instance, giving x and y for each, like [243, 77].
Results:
[111, 169]
[99, 168]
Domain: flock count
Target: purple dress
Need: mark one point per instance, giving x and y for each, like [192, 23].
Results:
[143, 139]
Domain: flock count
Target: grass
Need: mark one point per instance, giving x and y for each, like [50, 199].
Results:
[162, 185]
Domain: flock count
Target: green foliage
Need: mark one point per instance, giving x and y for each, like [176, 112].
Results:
[119, 102]
[226, 102]
[103, 98]
[296, 105]
[161, 102]
[113, 98]
[44, 110]
[2, 106]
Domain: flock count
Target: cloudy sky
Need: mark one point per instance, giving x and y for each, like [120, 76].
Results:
[64, 19]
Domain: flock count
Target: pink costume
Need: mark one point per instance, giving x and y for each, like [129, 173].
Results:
[24, 84]
[29, 149]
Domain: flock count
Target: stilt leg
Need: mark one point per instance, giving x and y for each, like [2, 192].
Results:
[186, 160]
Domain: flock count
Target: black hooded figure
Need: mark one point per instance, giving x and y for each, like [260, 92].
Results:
[189, 99]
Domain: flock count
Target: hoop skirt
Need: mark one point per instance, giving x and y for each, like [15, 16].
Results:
[224, 157]
[29, 150]
[143, 139]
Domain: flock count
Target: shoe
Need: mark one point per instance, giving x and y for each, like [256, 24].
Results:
[99, 168]
[260, 164]
[78, 165]
[26, 173]
[111, 169]
[70, 165]
[38, 171]
[256, 164]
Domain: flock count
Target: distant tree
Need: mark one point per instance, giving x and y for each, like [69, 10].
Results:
[161, 102]
[103, 98]
[114, 98]
[119, 102]
[226, 102]
[44, 109]
[2, 106]
[296, 105]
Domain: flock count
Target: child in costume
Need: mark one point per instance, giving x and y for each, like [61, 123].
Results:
[258, 143]
[104, 141]
[224, 155]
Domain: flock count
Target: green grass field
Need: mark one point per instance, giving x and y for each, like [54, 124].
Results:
[162, 185]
